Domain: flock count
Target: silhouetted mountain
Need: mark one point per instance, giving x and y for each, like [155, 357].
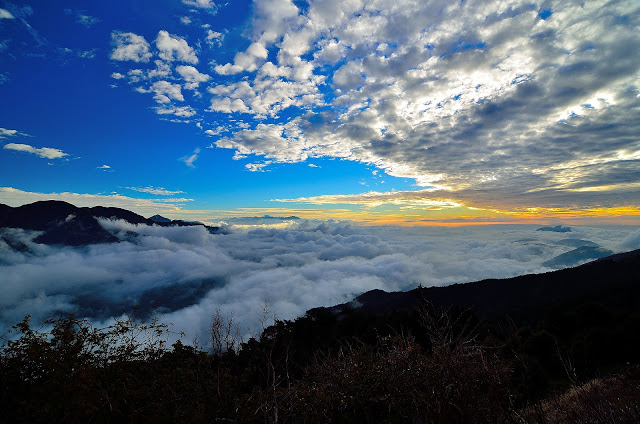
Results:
[5, 210]
[38, 216]
[117, 213]
[159, 218]
[612, 281]
[577, 256]
[65, 224]
[557, 229]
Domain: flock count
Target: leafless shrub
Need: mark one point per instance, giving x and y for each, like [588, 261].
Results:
[225, 334]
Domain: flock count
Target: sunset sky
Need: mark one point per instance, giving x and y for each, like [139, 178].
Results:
[403, 112]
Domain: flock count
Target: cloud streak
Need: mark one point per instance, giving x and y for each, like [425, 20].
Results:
[159, 191]
[43, 152]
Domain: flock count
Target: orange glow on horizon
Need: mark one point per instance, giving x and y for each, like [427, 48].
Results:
[456, 217]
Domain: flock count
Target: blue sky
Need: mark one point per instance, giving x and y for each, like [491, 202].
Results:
[377, 111]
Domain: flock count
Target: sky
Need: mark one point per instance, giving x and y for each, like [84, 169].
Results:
[378, 112]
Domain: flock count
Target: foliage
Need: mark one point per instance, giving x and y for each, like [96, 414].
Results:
[431, 365]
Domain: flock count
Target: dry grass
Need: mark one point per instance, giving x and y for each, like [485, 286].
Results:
[607, 401]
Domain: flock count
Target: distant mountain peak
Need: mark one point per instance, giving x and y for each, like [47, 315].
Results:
[65, 224]
[159, 218]
[557, 229]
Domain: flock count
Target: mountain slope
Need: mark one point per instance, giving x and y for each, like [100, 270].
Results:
[65, 224]
[614, 280]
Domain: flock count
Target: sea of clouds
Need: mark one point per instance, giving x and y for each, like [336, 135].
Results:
[184, 274]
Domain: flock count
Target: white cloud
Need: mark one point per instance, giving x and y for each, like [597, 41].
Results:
[204, 4]
[117, 75]
[228, 69]
[488, 101]
[166, 91]
[180, 111]
[5, 14]
[192, 77]
[214, 37]
[631, 242]
[87, 54]
[176, 200]
[188, 160]
[136, 75]
[104, 167]
[257, 167]
[424, 199]
[129, 46]
[268, 94]
[86, 20]
[43, 152]
[293, 267]
[227, 105]
[162, 70]
[217, 131]
[272, 141]
[173, 48]
[185, 20]
[273, 18]
[484, 99]
[159, 191]
[249, 60]
[4, 133]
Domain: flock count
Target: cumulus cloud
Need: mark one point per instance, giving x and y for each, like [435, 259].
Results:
[248, 60]
[192, 76]
[179, 111]
[204, 4]
[43, 152]
[217, 131]
[173, 47]
[214, 37]
[166, 91]
[292, 265]
[270, 140]
[498, 103]
[130, 46]
[257, 167]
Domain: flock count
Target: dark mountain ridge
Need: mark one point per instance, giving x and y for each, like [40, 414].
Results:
[613, 281]
[66, 224]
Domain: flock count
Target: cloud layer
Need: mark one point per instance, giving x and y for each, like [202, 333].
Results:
[291, 265]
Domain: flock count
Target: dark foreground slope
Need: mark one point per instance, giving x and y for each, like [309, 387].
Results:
[65, 224]
[439, 355]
